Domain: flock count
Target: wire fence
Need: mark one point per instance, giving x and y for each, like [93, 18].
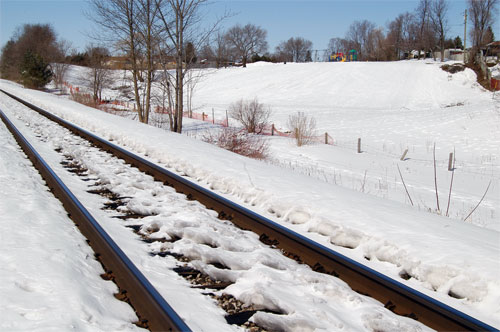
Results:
[270, 130]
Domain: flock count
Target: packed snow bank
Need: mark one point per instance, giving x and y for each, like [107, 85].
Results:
[441, 255]
[49, 279]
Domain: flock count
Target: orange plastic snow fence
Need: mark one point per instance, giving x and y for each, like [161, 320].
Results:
[495, 84]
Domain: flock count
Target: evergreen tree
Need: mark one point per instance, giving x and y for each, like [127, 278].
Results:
[190, 54]
[309, 56]
[489, 36]
[35, 72]
[458, 43]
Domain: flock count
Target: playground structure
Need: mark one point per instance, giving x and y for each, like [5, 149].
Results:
[352, 55]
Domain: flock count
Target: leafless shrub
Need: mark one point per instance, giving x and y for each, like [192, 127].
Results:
[98, 77]
[253, 115]
[239, 142]
[454, 68]
[302, 127]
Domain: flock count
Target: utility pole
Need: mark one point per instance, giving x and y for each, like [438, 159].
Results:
[465, 37]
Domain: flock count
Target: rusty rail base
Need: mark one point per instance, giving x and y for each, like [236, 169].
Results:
[145, 299]
[396, 296]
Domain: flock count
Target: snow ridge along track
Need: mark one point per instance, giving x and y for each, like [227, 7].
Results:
[149, 304]
[396, 296]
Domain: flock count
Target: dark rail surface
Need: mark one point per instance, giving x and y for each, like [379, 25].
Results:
[396, 296]
[145, 299]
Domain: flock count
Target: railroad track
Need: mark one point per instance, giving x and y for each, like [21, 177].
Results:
[396, 296]
[154, 312]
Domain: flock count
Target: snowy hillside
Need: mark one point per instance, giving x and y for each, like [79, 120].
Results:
[392, 107]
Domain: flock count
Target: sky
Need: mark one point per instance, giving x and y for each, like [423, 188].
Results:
[317, 21]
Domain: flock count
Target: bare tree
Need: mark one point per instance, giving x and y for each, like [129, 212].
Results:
[481, 14]
[180, 25]
[130, 25]
[359, 34]
[247, 41]
[489, 36]
[193, 77]
[426, 36]
[395, 36]
[439, 10]
[253, 115]
[36, 39]
[99, 77]
[294, 49]
[402, 34]
[376, 45]
[10, 61]
[221, 49]
[336, 45]
[60, 65]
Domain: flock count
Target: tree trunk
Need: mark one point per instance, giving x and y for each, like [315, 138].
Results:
[442, 51]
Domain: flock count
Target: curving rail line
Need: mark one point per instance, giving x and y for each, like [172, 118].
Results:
[396, 296]
[154, 312]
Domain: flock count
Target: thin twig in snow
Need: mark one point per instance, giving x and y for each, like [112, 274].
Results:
[479, 201]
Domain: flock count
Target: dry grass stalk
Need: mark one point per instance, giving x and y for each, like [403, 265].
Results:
[487, 188]
[451, 183]
[435, 180]
[407, 193]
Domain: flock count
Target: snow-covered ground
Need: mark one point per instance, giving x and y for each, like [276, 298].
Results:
[295, 297]
[49, 279]
[318, 189]
[391, 106]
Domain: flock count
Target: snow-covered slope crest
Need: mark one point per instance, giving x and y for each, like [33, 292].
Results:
[317, 87]
[443, 256]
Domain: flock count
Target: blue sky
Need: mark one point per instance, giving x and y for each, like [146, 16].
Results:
[317, 21]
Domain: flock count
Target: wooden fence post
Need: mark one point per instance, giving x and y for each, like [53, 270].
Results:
[213, 116]
[326, 138]
[404, 155]
[202, 116]
[272, 130]
[227, 120]
[450, 162]
[359, 145]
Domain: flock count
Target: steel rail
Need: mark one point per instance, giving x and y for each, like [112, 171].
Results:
[396, 296]
[145, 299]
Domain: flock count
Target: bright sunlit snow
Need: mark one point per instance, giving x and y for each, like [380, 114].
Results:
[49, 279]
[353, 203]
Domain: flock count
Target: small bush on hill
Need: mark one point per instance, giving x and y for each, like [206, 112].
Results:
[302, 127]
[455, 68]
[253, 115]
[239, 142]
